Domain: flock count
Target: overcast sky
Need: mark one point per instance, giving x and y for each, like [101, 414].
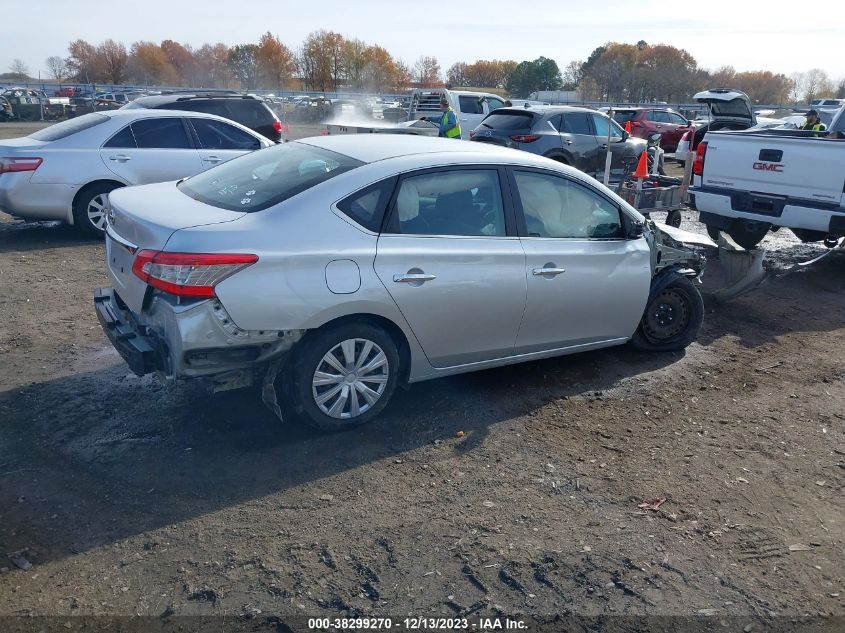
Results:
[746, 35]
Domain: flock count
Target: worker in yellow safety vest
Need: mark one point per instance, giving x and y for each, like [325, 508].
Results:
[449, 126]
[812, 123]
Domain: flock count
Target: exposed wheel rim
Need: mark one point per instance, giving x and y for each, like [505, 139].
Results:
[350, 378]
[96, 211]
[667, 316]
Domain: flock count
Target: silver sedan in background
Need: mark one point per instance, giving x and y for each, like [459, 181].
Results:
[65, 171]
[335, 268]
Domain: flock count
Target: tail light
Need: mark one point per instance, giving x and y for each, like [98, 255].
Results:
[698, 163]
[9, 165]
[188, 274]
[277, 125]
[524, 138]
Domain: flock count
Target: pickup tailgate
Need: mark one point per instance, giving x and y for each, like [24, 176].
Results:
[806, 168]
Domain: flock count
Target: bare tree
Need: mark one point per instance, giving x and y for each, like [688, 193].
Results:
[20, 69]
[57, 67]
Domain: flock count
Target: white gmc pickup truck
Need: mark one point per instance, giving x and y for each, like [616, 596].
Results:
[749, 183]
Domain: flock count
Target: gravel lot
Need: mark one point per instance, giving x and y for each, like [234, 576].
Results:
[129, 499]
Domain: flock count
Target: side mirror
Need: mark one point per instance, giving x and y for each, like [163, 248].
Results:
[635, 229]
[625, 136]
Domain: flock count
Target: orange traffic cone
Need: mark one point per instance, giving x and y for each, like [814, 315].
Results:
[628, 127]
[642, 166]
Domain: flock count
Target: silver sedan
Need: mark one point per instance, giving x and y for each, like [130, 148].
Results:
[335, 268]
[65, 171]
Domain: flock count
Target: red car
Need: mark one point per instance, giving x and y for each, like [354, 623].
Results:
[67, 91]
[646, 120]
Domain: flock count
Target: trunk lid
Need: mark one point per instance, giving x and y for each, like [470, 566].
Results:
[144, 218]
[727, 106]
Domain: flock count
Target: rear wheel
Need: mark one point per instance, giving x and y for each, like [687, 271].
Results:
[672, 318]
[806, 235]
[748, 234]
[345, 376]
[89, 208]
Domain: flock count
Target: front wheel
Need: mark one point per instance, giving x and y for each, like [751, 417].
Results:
[345, 375]
[672, 318]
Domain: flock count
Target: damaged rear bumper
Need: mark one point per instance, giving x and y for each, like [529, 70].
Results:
[195, 339]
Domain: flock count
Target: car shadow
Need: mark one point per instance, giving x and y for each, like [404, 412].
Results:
[96, 457]
[19, 236]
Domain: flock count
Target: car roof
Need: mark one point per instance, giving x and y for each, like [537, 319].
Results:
[144, 113]
[156, 100]
[370, 148]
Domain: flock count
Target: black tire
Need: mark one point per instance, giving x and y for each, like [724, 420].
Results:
[806, 235]
[311, 359]
[672, 319]
[713, 232]
[90, 196]
[673, 218]
[748, 234]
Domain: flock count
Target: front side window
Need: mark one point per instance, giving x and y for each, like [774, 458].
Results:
[166, 133]
[262, 179]
[677, 119]
[557, 207]
[219, 135]
[459, 202]
[605, 125]
[495, 104]
[470, 105]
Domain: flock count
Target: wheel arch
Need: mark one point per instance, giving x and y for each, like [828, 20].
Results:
[112, 181]
[395, 332]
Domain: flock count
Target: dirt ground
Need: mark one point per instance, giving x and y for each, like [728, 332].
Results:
[132, 500]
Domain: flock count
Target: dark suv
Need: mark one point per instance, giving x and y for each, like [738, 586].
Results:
[248, 110]
[571, 135]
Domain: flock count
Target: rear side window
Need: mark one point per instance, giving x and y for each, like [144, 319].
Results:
[71, 126]
[470, 105]
[124, 138]
[367, 207]
[161, 134]
[623, 116]
[218, 135]
[577, 123]
[200, 105]
[259, 180]
[508, 121]
[249, 112]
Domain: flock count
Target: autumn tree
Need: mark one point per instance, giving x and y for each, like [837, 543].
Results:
[276, 62]
[211, 65]
[403, 77]
[243, 62]
[112, 58]
[572, 74]
[181, 58]
[379, 73]
[456, 75]
[316, 61]
[56, 67]
[148, 64]
[427, 72]
[83, 62]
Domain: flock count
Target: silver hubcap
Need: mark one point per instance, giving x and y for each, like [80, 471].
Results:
[350, 378]
[97, 211]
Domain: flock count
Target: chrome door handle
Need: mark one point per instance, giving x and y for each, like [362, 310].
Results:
[551, 272]
[413, 278]
[120, 158]
[568, 141]
[212, 159]
[604, 145]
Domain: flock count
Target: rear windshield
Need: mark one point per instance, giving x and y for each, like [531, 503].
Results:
[508, 121]
[623, 116]
[133, 105]
[261, 179]
[71, 126]
[733, 108]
